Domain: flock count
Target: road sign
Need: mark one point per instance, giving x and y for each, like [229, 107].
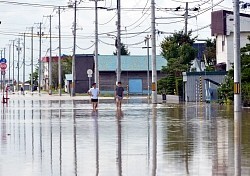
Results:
[3, 66]
[2, 72]
[3, 60]
[89, 72]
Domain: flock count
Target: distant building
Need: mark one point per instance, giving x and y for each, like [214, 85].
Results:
[45, 70]
[133, 73]
[222, 28]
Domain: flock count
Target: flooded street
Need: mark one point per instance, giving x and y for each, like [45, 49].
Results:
[65, 138]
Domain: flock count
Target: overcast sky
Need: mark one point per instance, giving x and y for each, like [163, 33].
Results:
[18, 17]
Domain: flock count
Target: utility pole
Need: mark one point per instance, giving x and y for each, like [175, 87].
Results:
[50, 58]
[147, 47]
[74, 54]
[32, 54]
[153, 41]
[237, 67]
[18, 60]
[9, 63]
[118, 40]
[40, 57]
[24, 36]
[186, 18]
[96, 44]
[59, 58]
[13, 63]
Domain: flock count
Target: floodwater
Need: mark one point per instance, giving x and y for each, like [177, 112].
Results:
[65, 138]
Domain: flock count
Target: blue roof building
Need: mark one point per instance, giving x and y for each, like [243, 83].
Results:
[133, 72]
[129, 63]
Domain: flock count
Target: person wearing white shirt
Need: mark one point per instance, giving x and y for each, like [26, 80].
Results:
[94, 93]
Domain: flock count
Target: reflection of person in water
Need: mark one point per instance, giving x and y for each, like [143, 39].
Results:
[119, 113]
[94, 114]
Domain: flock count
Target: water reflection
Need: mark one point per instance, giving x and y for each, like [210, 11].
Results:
[119, 116]
[96, 132]
[237, 143]
[60, 137]
[67, 138]
[154, 136]
[74, 136]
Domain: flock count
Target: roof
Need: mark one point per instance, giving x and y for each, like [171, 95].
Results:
[129, 63]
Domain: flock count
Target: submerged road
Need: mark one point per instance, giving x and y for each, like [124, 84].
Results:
[61, 136]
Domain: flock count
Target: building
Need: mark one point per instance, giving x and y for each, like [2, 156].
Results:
[202, 86]
[45, 70]
[222, 27]
[133, 73]
[83, 62]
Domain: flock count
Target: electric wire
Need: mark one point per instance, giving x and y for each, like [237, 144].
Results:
[108, 21]
[85, 48]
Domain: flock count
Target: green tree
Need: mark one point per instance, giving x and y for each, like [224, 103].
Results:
[124, 50]
[210, 54]
[179, 52]
[66, 65]
[35, 77]
[226, 90]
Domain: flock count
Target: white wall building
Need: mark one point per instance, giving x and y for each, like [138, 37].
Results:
[223, 29]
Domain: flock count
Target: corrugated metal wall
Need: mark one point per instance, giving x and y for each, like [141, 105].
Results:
[195, 85]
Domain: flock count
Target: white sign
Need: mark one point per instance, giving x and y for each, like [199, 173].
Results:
[89, 75]
[89, 72]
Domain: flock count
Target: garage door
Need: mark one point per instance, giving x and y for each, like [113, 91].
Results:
[135, 86]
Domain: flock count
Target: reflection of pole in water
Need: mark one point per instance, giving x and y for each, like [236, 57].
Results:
[3, 126]
[154, 128]
[186, 137]
[148, 152]
[32, 128]
[208, 110]
[119, 138]
[237, 143]
[19, 130]
[41, 135]
[96, 141]
[51, 141]
[60, 136]
[74, 133]
[24, 125]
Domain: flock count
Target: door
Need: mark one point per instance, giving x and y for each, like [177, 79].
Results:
[135, 86]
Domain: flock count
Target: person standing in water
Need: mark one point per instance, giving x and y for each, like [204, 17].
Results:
[94, 93]
[119, 95]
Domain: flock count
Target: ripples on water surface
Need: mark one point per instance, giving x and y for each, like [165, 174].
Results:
[43, 138]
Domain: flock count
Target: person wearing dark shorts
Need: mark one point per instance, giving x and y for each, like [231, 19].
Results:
[94, 92]
[119, 95]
